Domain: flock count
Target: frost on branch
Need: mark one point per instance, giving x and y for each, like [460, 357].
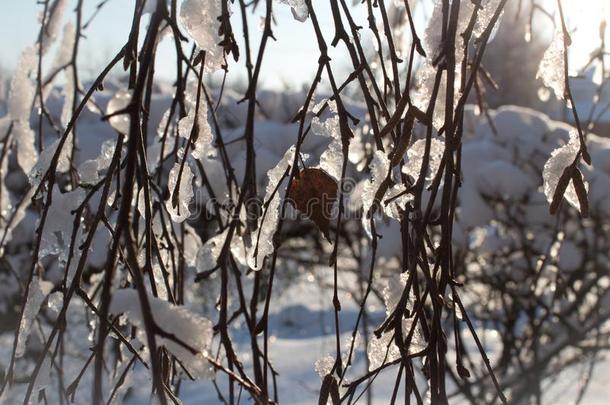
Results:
[178, 202]
[299, 9]
[39, 289]
[263, 237]
[552, 65]
[22, 92]
[63, 57]
[200, 19]
[21, 99]
[49, 34]
[208, 254]
[66, 46]
[188, 328]
[554, 168]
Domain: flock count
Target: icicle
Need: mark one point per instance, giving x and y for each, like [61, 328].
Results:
[192, 245]
[27, 155]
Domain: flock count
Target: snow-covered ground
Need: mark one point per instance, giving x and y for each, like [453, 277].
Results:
[302, 330]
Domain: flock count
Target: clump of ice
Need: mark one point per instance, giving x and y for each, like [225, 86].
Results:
[263, 237]
[200, 19]
[180, 211]
[379, 170]
[383, 350]
[415, 158]
[300, 12]
[552, 66]
[202, 147]
[324, 365]
[560, 159]
[331, 159]
[118, 103]
[44, 161]
[38, 291]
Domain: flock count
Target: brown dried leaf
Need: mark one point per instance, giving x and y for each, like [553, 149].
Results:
[314, 192]
[581, 192]
[560, 190]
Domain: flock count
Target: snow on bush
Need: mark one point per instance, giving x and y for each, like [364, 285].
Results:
[178, 194]
[189, 336]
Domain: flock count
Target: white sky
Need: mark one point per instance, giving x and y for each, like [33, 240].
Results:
[291, 61]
